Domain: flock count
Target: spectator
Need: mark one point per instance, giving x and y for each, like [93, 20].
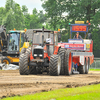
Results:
[77, 36]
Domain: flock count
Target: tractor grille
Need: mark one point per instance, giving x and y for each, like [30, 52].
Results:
[38, 53]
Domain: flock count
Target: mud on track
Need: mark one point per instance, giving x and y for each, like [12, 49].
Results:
[12, 83]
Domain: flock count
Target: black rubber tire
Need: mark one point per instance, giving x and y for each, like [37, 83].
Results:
[20, 58]
[87, 66]
[23, 64]
[81, 68]
[62, 55]
[23, 51]
[73, 69]
[54, 65]
[39, 71]
[28, 50]
[68, 62]
[32, 70]
[5, 60]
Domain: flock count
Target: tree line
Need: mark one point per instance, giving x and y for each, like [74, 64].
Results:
[15, 16]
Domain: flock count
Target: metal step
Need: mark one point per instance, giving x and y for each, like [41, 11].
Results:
[75, 72]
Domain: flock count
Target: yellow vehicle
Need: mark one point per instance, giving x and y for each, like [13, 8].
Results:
[17, 43]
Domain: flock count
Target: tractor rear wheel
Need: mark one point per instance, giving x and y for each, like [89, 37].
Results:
[5, 60]
[23, 64]
[55, 65]
[82, 68]
[68, 62]
[62, 55]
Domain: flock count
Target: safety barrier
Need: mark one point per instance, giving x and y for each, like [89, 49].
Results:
[96, 64]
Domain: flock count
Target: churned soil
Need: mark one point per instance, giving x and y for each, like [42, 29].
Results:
[12, 83]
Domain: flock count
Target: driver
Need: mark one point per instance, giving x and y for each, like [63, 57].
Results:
[77, 36]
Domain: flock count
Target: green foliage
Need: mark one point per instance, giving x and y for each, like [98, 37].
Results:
[34, 20]
[96, 39]
[2, 13]
[65, 36]
[94, 69]
[72, 10]
[24, 9]
[14, 16]
[80, 93]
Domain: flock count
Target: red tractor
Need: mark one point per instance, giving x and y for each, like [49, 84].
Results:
[44, 55]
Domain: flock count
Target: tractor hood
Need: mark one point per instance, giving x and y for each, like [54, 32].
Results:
[38, 47]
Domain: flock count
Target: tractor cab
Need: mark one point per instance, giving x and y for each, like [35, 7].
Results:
[16, 40]
[43, 44]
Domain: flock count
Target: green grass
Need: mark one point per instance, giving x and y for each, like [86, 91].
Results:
[94, 69]
[91, 92]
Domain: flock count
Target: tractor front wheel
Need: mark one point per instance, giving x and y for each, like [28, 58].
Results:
[55, 65]
[23, 64]
[5, 60]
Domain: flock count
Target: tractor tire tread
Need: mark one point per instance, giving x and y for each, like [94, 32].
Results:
[67, 62]
[62, 55]
[53, 70]
[23, 65]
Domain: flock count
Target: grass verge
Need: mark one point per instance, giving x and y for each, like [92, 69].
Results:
[90, 92]
[94, 69]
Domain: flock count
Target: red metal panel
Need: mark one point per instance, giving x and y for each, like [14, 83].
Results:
[76, 60]
[31, 57]
[91, 47]
[56, 48]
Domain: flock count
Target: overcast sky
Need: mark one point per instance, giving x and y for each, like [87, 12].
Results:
[31, 4]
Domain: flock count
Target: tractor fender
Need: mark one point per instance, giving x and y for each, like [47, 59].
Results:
[56, 49]
[25, 45]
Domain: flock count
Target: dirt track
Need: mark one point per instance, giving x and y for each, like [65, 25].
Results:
[12, 83]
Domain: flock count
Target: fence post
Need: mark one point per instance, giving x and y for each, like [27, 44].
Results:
[95, 63]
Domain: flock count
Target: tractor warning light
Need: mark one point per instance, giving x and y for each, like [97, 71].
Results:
[89, 23]
[69, 23]
[58, 29]
[25, 29]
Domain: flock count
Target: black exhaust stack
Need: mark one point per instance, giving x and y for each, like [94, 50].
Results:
[43, 36]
